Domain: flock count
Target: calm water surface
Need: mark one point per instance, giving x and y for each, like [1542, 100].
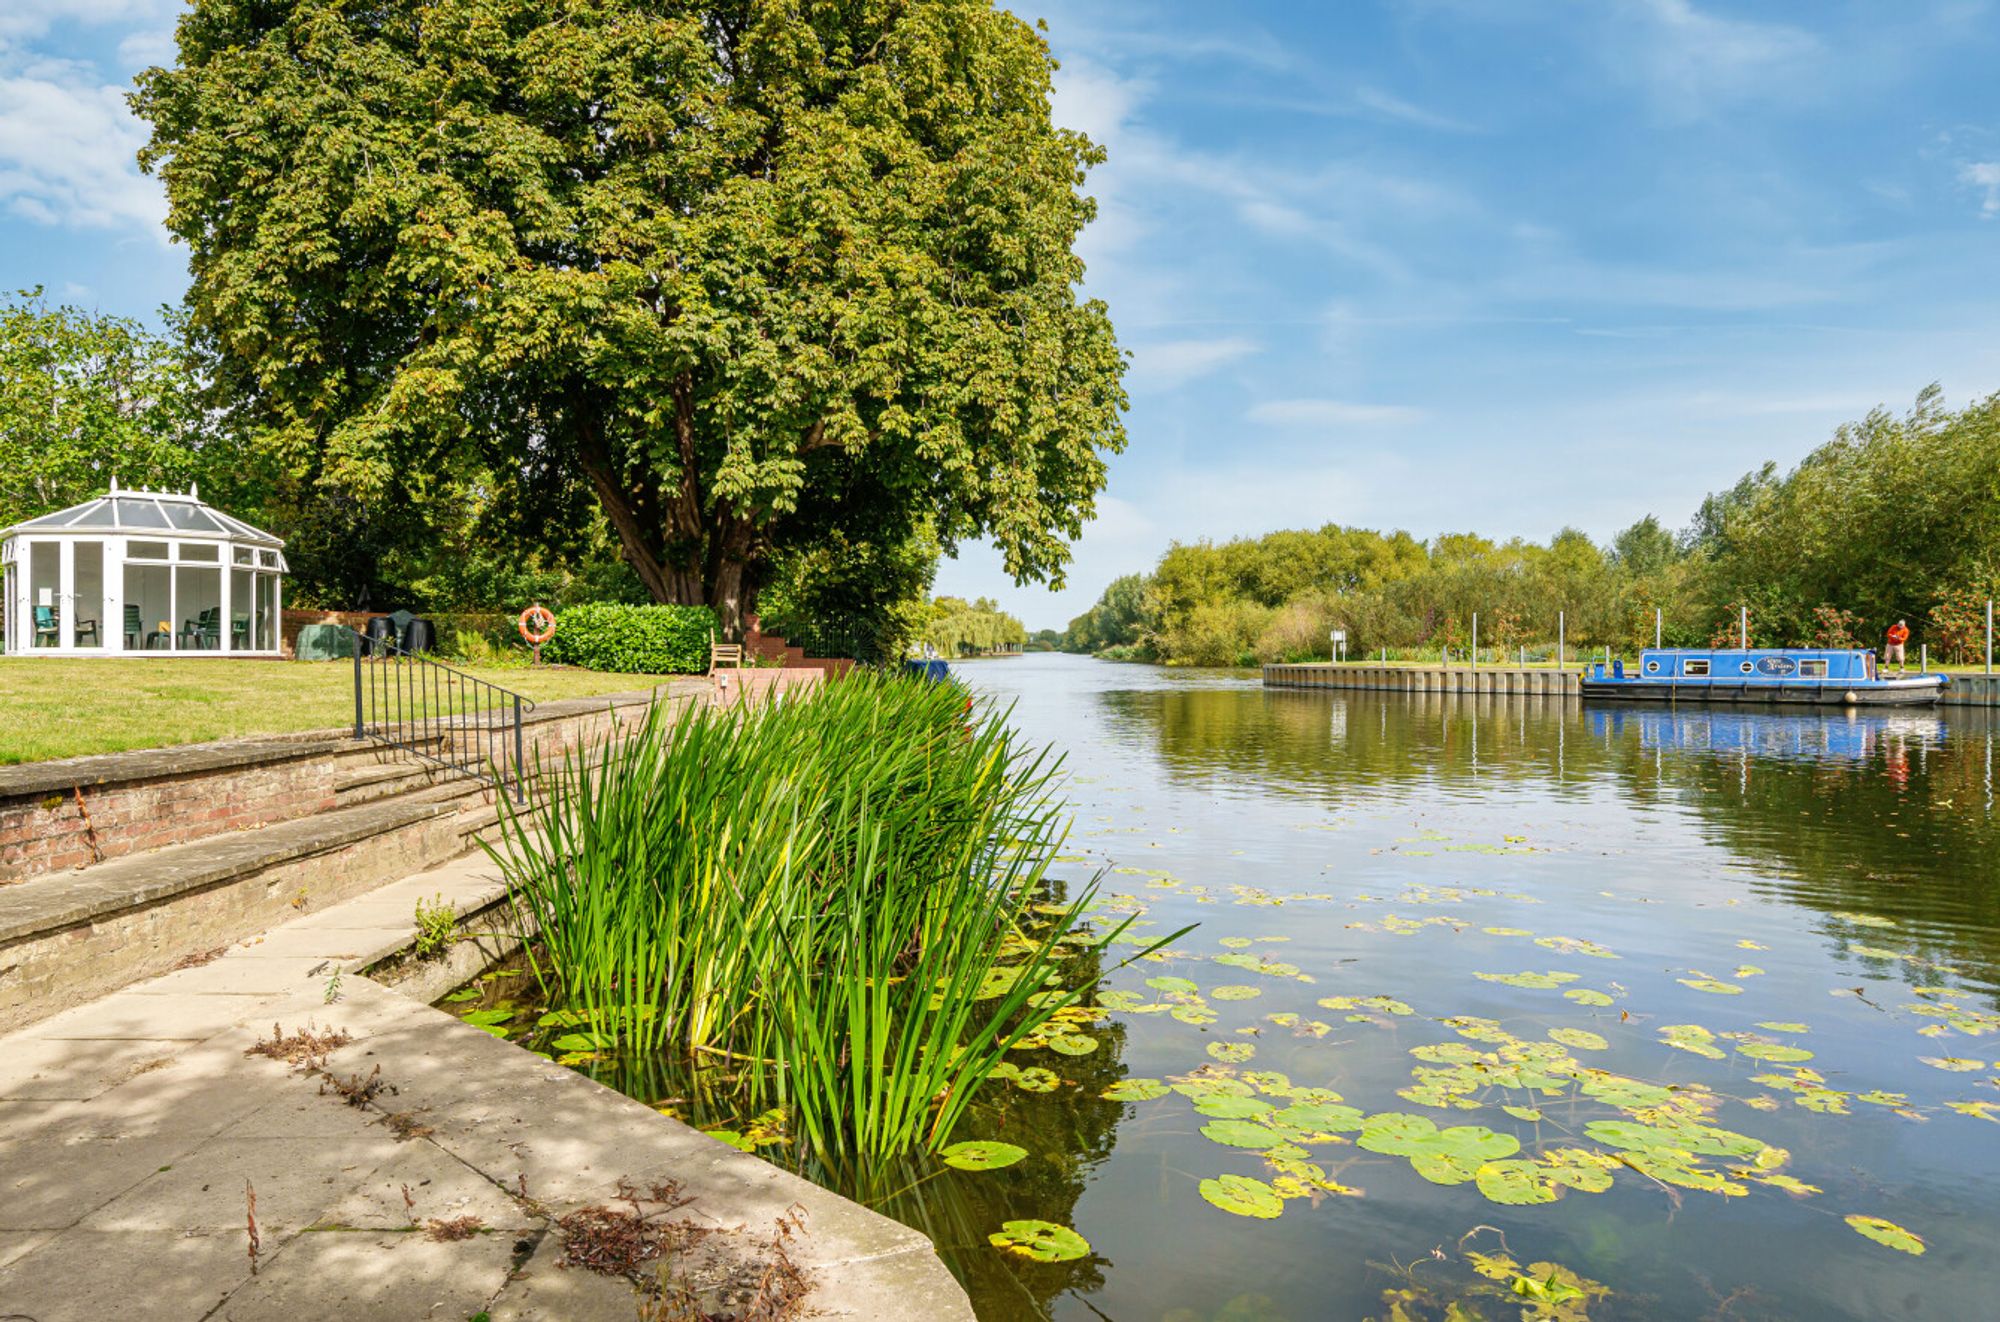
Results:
[1839, 870]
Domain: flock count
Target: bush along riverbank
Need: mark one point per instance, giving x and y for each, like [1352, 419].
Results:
[836, 911]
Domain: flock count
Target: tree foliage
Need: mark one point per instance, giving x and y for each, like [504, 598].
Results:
[957, 627]
[85, 398]
[751, 274]
[1895, 517]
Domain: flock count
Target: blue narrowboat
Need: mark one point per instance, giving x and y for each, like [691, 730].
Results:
[1818, 676]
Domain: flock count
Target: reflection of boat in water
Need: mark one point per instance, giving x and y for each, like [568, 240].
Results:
[1785, 676]
[1853, 736]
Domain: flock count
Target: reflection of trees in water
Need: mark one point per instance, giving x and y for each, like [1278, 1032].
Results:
[1889, 817]
[1323, 744]
[1886, 814]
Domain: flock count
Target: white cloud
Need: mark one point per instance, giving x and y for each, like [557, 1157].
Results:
[27, 19]
[68, 147]
[1984, 175]
[1169, 364]
[1696, 59]
[1331, 413]
[1395, 107]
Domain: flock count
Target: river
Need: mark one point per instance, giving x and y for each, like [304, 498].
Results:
[1781, 928]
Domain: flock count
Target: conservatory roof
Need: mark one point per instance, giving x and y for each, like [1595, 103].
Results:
[165, 514]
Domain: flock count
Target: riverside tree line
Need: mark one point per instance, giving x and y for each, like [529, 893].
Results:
[1896, 517]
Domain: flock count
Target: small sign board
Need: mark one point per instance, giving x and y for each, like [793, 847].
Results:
[1340, 635]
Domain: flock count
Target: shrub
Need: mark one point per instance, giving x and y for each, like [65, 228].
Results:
[1957, 624]
[634, 640]
[1834, 627]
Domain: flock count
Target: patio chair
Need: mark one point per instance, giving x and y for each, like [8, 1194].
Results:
[134, 629]
[239, 633]
[204, 632]
[48, 633]
[723, 654]
[88, 627]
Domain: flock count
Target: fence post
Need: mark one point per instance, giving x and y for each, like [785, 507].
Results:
[1743, 626]
[1924, 657]
[1475, 640]
[1562, 622]
[1659, 628]
[520, 773]
[1989, 635]
[357, 687]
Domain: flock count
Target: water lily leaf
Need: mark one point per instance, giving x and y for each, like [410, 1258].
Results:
[1320, 1118]
[1243, 1196]
[1678, 1169]
[1704, 983]
[1579, 1039]
[1236, 992]
[1774, 1052]
[982, 1155]
[1134, 1090]
[1233, 1053]
[1241, 1134]
[1581, 1169]
[1747, 971]
[732, 1138]
[1780, 1026]
[586, 1041]
[1790, 1184]
[497, 1030]
[1862, 919]
[1570, 945]
[1955, 1064]
[1043, 1241]
[1448, 1053]
[1181, 986]
[485, 1018]
[1036, 1079]
[1887, 1233]
[1235, 942]
[1193, 1014]
[1212, 1085]
[1224, 1107]
[1527, 1113]
[1073, 1044]
[1692, 1037]
[1112, 999]
[1506, 931]
[1532, 981]
[1396, 1133]
[462, 995]
[1516, 1183]
[1442, 1168]
[1587, 996]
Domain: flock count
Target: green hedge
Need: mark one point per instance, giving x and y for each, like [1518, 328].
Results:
[633, 640]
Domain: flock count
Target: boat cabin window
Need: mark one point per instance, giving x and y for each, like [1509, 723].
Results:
[1749, 669]
[1813, 669]
[1693, 666]
[1652, 667]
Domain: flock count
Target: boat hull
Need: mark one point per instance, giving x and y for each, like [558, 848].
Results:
[1915, 691]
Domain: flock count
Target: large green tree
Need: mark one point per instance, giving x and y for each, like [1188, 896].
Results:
[750, 274]
[85, 398]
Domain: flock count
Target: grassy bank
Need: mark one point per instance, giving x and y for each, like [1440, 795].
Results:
[67, 707]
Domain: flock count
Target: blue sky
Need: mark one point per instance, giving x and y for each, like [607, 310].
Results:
[1430, 264]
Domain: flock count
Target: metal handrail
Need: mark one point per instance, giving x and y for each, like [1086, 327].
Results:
[453, 720]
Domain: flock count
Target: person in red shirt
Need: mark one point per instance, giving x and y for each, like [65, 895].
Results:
[1899, 634]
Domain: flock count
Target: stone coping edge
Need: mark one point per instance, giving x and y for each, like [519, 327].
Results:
[100, 769]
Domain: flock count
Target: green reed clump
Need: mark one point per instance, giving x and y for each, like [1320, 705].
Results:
[831, 894]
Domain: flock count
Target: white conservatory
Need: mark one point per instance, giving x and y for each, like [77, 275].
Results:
[146, 573]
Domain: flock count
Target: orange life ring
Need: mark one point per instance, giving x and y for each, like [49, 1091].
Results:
[537, 625]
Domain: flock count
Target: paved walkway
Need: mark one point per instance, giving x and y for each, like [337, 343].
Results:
[132, 1128]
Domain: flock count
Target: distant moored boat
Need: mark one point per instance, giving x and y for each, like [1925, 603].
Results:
[1803, 675]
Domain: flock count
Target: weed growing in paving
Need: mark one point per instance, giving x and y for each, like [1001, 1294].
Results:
[437, 928]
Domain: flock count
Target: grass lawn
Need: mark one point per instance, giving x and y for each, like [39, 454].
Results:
[66, 707]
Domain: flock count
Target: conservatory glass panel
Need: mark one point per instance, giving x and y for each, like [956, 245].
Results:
[10, 606]
[45, 603]
[140, 514]
[148, 616]
[267, 613]
[198, 608]
[97, 514]
[87, 568]
[189, 519]
[145, 550]
[207, 552]
[242, 610]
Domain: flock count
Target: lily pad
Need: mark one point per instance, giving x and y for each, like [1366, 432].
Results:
[1241, 1134]
[1043, 1241]
[1224, 1107]
[1579, 1039]
[1887, 1233]
[1243, 1196]
[1182, 986]
[1954, 1064]
[982, 1155]
[1780, 1026]
[1234, 1053]
[1135, 1090]
[1716, 986]
[462, 995]
[1037, 1079]
[1516, 1183]
[586, 1041]
[1587, 996]
[1532, 981]
[1776, 1053]
[1073, 1044]
[1692, 1037]
[1236, 992]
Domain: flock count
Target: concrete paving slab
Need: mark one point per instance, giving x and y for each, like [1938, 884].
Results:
[93, 1276]
[180, 1017]
[14, 1243]
[374, 1274]
[442, 1188]
[206, 1187]
[52, 1184]
[541, 1291]
[45, 1070]
[236, 977]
